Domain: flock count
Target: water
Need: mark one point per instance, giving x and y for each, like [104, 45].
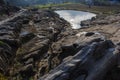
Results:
[75, 17]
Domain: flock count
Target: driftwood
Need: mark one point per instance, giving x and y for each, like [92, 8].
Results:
[91, 63]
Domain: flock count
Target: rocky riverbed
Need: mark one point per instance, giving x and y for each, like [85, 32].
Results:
[38, 44]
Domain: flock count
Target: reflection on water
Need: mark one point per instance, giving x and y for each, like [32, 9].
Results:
[75, 17]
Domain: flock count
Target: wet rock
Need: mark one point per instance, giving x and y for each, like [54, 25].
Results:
[89, 34]
[85, 23]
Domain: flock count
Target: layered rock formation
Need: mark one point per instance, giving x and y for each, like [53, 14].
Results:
[38, 44]
[90, 63]
[26, 41]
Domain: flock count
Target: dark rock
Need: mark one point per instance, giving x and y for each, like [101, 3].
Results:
[25, 21]
[85, 23]
[26, 36]
[89, 34]
[38, 41]
[101, 48]
[12, 42]
[27, 71]
[83, 65]
[6, 55]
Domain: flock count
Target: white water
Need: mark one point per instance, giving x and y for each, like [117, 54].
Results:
[75, 17]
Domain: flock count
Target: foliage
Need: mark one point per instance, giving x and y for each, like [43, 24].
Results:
[2, 77]
[50, 5]
[105, 2]
[43, 2]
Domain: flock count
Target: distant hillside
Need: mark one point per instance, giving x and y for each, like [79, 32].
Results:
[32, 2]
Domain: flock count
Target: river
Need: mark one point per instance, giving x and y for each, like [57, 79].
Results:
[75, 17]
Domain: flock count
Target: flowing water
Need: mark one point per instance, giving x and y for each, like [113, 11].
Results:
[75, 17]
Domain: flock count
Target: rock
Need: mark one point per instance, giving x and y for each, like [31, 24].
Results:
[85, 37]
[101, 20]
[82, 77]
[39, 43]
[89, 34]
[26, 36]
[101, 48]
[29, 61]
[27, 71]
[85, 23]
[77, 66]
[5, 56]
[25, 21]
[33, 53]
[6, 9]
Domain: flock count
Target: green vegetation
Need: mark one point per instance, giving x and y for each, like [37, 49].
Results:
[79, 6]
[106, 2]
[95, 9]
[50, 5]
[2, 77]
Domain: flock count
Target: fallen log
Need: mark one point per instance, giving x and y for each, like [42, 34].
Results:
[90, 63]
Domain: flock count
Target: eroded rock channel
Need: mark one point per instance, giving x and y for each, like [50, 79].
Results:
[39, 45]
[28, 44]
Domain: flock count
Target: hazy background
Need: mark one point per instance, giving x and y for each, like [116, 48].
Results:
[33, 2]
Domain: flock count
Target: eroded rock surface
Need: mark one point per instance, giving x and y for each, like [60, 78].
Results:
[88, 64]
[38, 44]
[30, 37]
